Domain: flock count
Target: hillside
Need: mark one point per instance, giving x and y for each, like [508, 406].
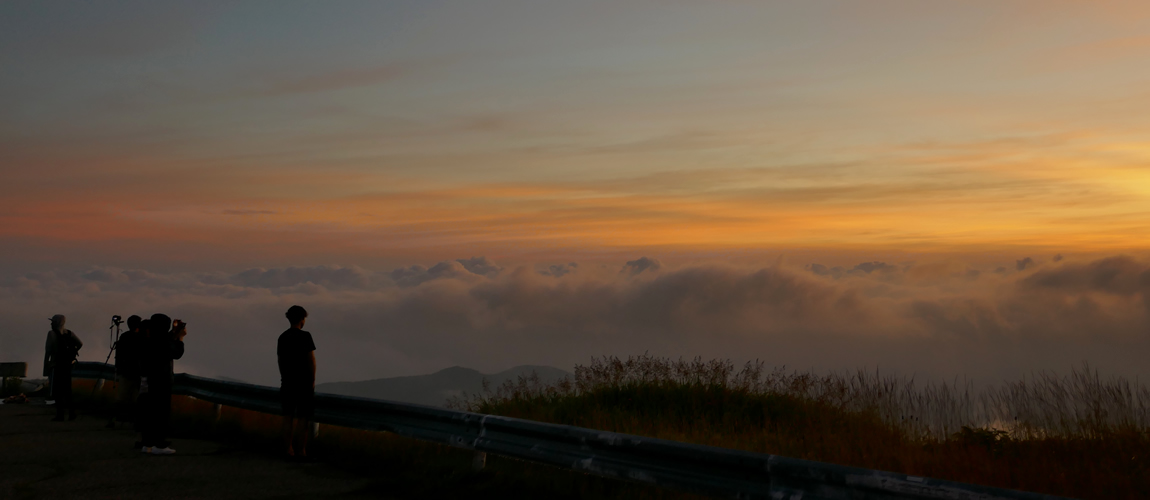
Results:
[435, 389]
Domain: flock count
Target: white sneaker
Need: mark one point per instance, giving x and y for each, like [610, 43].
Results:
[146, 449]
[162, 451]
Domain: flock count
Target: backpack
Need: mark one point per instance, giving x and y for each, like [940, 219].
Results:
[66, 349]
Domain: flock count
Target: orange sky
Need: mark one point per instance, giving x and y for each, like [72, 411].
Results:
[556, 130]
[1068, 195]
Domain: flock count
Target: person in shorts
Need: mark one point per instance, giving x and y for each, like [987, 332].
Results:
[296, 353]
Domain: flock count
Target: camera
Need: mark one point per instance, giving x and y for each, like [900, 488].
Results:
[116, 319]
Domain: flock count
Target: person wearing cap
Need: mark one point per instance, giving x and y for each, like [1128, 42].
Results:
[60, 352]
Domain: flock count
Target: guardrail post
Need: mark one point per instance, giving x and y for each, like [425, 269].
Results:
[315, 429]
[218, 409]
[479, 461]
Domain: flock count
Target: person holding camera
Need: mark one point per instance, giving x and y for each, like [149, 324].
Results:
[60, 351]
[295, 352]
[163, 345]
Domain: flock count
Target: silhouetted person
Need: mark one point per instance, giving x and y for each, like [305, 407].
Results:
[60, 352]
[296, 353]
[162, 346]
[142, 400]
[128, 349]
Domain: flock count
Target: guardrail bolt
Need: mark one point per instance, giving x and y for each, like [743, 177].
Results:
[479, 461]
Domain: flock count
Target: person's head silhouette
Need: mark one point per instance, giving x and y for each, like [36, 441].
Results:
[159, 324]
[296, 315]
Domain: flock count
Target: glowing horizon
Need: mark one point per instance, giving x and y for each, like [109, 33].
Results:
[708, 132]
[906, 167]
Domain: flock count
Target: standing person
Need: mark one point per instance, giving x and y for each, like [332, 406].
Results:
[128, 348]
[60, 352]
[140, 412]
[162, 347]
[296, 353]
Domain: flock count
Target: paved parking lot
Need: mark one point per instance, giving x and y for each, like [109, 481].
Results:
[82, 459]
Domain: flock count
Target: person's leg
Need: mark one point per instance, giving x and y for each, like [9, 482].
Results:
[306, 408]
[288, 405]
[57, 395]
[62, 389]
[118, 404]
[126, 388]
[121, 397]
[66, 386]
[163, 415]
[147, 417]
[133, 384]
[304, 430]
[288, 426]
[142, 417]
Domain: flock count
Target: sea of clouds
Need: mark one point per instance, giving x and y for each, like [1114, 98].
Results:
[938, 319]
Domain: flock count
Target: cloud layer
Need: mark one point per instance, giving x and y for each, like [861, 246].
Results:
[933, 319]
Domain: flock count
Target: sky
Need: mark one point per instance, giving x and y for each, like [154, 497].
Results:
[943, 189]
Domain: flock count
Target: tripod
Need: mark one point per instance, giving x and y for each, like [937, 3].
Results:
[114, 338]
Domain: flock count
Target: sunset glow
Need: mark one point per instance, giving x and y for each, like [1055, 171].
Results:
[910, 165]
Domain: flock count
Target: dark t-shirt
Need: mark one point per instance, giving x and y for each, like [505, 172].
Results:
[157, 356]
[293, 350]
[128, 351]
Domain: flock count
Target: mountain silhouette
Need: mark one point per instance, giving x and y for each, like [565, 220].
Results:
[437, 388]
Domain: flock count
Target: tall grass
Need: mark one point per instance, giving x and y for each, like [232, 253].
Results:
[1077, 435]
[1080, 404]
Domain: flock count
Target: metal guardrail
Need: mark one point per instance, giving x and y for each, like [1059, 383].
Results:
[695, 468]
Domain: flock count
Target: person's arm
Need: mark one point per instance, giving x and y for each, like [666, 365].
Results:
[49, 348]
[76, 339]
[311, 360]
[177, 349]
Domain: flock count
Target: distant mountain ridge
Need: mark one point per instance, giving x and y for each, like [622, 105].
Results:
[437, 388]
